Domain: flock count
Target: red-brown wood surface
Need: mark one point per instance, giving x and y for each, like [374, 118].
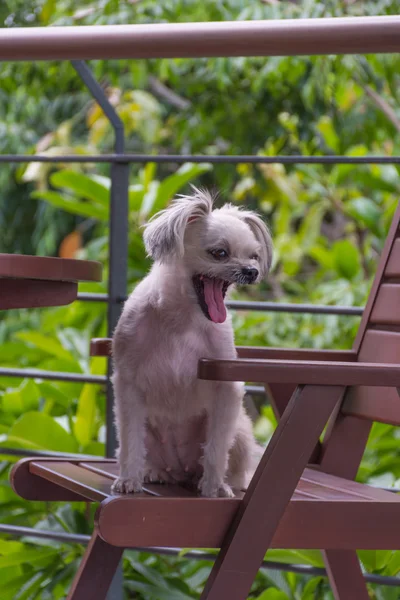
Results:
[334, 521]
[345, 575]
[376, 403]
[102, 347]
[34, 487]
[390, 244]
[300, 372]
[386, 309]
[96, 570]
[18, 266]
[280, 37]
[38, 281]
[34, 293]
[392, 268]
[331, 502]
[264, 503]
[73, 477]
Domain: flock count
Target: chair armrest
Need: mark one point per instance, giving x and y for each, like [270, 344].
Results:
[100, 347]
[296, 354]
[300, 372]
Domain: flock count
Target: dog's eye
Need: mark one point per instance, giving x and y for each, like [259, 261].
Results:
[219, 253]
[254, 257]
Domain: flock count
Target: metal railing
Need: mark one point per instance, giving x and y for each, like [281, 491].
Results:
[250, 38]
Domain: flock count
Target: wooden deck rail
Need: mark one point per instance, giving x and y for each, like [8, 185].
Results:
[287, 37]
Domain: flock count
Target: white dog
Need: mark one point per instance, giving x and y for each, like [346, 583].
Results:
[173, 427]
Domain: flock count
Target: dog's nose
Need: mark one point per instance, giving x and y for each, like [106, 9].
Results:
[250, 273]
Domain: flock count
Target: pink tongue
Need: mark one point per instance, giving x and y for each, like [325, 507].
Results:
[214, 299]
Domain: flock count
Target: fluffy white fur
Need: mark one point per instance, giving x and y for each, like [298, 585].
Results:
[173, 427]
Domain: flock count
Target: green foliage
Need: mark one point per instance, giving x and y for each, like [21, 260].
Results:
[328, 225]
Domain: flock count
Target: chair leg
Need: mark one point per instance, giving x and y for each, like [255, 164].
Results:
[269, 492]
[96, 570]
[345, 575]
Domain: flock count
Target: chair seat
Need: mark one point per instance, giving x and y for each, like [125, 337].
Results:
[324, 512]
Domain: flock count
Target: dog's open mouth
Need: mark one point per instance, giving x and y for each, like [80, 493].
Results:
[210, 294]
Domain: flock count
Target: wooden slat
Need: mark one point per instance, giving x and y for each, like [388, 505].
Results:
[110, 471]
[380, 273]
[91, 485]
[381, 346]
[295, 354]
[204, 523]
[381, 403]
[393, 264]
[31, 487]
[323, 494]
[348, 487]
[386, 309]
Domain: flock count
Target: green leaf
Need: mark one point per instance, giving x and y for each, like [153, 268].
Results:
[311, 588]
[136, 194]
[149, 199]
[44, 432]
[29, 556]
[95, 448]
[310, 227]
[346, 259]
[82, 185]
[170, 186]
[72, 206]
[326, 129]
[157, 593]
[85, 423]
[273, 594]
[45, 343]
[393, 566]
[10, 546]
[298, 557]
[21, 399]
[365, 212]
[375, 560]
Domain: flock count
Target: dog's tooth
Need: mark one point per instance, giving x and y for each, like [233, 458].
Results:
[168, 469]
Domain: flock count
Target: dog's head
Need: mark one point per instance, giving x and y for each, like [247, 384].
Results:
[216, 247]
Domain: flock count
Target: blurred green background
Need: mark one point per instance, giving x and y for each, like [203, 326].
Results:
[328, 224]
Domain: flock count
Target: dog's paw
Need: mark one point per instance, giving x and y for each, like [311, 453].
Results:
[155, 477]
[212, 489]
[126, 485]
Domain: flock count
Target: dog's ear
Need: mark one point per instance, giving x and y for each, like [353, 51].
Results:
[262, 235]
[164, 234]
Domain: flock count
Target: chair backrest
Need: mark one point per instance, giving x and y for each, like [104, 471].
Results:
[378, 338]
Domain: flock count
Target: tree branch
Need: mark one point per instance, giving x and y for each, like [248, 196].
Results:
[383, 106]
[161, 90]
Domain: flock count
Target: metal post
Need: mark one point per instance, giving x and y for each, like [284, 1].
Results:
[118, 270]
[118, 258]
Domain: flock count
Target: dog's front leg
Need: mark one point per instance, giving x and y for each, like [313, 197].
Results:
[222, 424]
[131, 415]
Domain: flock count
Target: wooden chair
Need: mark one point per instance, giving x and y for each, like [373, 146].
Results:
[303, 494]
